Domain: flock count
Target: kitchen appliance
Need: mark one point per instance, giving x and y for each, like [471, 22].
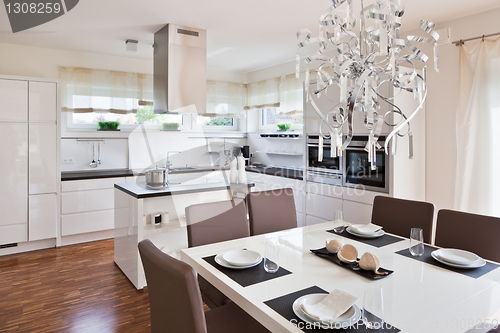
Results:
[356, 166]
[156, 178]
[328, 169]
[180, 69]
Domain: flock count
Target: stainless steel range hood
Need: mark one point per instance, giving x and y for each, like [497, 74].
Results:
[180, 69]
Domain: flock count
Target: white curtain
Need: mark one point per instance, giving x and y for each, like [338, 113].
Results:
[263, 94]
[291, 95]
[225, 99]
[90, 90]
[478, 132]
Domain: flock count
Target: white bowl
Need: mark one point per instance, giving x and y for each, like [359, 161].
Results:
[242, 257]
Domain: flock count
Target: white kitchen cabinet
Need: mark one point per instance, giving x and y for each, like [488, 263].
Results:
[14, 176]
[42, 216]
[322, 206]
[325, 190]
[86, 201]
[42, 158]
[90, 184]
[13, 100]
[42, 101]
[73, 224]
[310, 220]
[356, 212]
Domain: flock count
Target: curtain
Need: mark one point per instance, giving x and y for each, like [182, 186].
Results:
[225, 99]
[478, 138]
[90, 90]
[291, 95]
[263, 94]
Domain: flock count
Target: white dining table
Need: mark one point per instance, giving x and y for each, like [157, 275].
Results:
[418, 297]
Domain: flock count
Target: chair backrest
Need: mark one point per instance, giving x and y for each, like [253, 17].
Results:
[215, 222]
[470, 232]
[272, 210]
[174, 296]
[398, 216]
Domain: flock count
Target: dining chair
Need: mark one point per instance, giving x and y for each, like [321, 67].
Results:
[470, 232]
[398, 216]
[271, 210]
[175, 300]
[214, 222]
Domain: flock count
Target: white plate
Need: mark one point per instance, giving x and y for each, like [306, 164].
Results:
[348, 318]
[377, 234]
[220, 260]
[242, 257]
[459, 257]
[480, 263]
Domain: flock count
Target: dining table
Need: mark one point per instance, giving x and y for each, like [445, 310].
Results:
[420, 295]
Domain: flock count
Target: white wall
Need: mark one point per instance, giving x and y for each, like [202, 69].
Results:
[442, 103]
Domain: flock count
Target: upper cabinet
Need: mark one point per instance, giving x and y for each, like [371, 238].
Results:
[42, 101]
[13, 100]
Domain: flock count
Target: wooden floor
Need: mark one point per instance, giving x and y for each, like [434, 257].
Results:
[75, 288]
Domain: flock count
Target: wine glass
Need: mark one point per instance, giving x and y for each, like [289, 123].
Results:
[338, 222]
[373, 306]
[271, 256]
[416, 242]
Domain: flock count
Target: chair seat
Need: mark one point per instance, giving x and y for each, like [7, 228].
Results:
[232, 319]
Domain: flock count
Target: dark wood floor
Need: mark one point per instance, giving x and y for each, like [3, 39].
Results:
[75, 288]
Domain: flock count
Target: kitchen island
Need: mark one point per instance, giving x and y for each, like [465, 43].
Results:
[134, 205]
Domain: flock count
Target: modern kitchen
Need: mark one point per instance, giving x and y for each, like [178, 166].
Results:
[261, 167]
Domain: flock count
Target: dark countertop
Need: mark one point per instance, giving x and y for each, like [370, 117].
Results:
[97, 174]
[278, 171]
[140, 192]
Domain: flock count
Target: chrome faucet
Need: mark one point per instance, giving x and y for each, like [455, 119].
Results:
[168, 164]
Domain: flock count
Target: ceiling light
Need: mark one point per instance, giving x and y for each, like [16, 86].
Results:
[131, 45]
[358, 65]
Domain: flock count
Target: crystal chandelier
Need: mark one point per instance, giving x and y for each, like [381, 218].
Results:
[359, 64]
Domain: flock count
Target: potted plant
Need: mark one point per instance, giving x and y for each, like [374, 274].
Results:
[109, 125]
[170, 126]
[284, 127]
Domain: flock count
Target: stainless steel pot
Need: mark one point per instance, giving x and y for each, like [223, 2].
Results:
[156, 178]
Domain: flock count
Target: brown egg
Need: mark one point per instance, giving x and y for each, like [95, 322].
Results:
[348, 253]
[333, 246]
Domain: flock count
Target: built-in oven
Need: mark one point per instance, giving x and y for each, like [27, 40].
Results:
[357, 171]
[321, 166]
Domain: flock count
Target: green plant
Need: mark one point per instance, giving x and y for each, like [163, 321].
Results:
[284, 126]
[220, 121]
[170, 126]
[109, 125]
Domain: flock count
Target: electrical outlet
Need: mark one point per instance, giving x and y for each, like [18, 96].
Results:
[68, 160]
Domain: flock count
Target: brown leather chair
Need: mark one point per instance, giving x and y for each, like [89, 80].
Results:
[215, 222]
[398, 216]
[470, 232]
[175, 300]
[272, 210]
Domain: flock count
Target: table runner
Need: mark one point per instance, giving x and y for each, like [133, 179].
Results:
[377, 242]
[283, 306]
[249, 276]
[427, 258]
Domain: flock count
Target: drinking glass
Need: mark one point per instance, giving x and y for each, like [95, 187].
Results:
[416, 242]
[271, 256]
[338, 222]
[373, 306]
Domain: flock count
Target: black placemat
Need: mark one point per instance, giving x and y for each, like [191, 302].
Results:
[377, 242]
[323, 253]
[283, 306]
[427, 258]
[249, 276]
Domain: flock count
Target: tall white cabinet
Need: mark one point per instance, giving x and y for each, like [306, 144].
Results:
[29, 168]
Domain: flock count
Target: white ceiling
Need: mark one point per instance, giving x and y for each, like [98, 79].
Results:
[241, 35]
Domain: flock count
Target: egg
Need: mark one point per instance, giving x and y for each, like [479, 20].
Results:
[333, 245]
[348, 253]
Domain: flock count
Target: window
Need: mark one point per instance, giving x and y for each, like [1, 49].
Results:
[215, 123]
[270, 117]
[145, 115]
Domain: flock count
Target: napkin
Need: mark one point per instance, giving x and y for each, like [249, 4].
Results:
[365, 228]
[331, 307]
